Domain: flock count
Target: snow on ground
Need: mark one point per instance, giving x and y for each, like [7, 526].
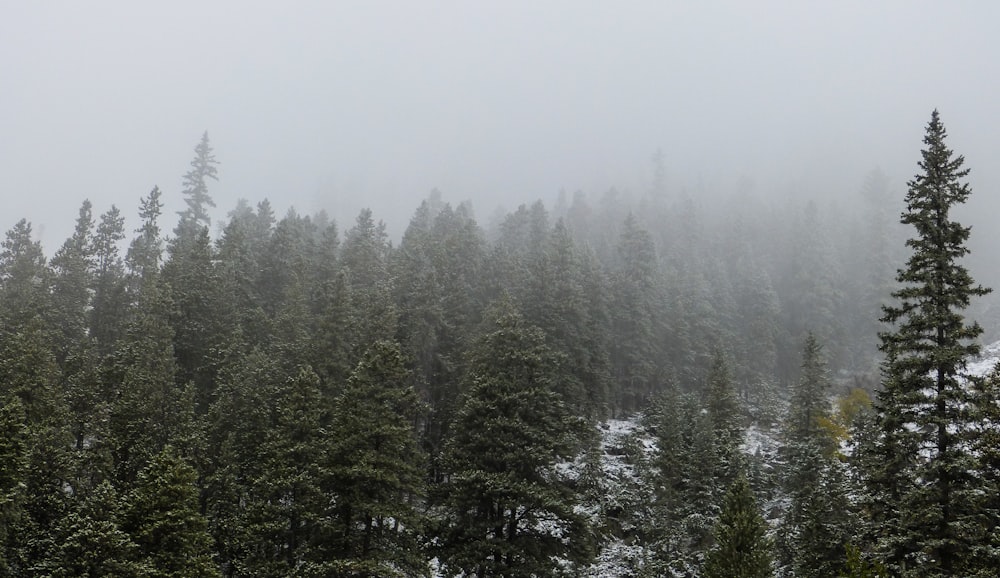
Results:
[623, 443]
[758, 442]
[622, 437]
[986, 361]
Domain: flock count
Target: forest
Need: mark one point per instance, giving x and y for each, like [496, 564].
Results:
[612, 385]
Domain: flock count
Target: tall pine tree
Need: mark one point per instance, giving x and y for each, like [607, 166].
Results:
[926, 479]
[203, 167]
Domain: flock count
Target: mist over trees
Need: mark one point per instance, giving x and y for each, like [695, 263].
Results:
[679, 387]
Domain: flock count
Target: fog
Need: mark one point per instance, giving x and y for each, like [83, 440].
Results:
[342, 105]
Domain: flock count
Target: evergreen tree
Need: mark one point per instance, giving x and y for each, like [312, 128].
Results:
[239, 425]
[687, 486]
[25, 279]
[89, 400]
[164, 521]
[365, 259]
[987, 449]
[758, 313]
[149, 409]
[12, 464]
[265, 493]
[92, 544]
[31, 394]
[859, 567]
[509, 510]
[196, 197]
[875, 257]
[818, 521]
[723, 410]
[286, 261]
[809, 402]
[704, 314]
[269, 499]
[191, 281]
[73, 271]
[559, 305]
[107, 318]
[332, 340]
[376, 469]
[146, 250]
[742, 548]
[926, 480]
[239, 252]
[196, 305]
[636, 317]
[291, 481]
[438, 287]
[292, 329]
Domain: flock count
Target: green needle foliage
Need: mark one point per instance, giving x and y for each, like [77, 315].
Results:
[742, 548]
[926, 483]
[509, 512]
[164, 520]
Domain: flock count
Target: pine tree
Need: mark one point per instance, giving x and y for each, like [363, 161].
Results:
[723, 410]
[365, 258]
[926, 481]
[636, 317]
[331, 339]
[203, 167]
[29, 386]
[687, 484]
[813, 299]
[987, 449]
[285, 262]
[148, 408]
[742, 548]
[438, 291]
[107, 318]
[92, 544]
[858, 567]
[192, 281]
[239, 425]
[874, 256]
[563, 311]
[146, 250]
[757, 314]
[164, 521]
[509, 510]
[239, 253]
[376, 469]
[809, 401]
[818, 521]
[196, 304]
[73, 268]
[292, 456]
[285, 499]
[13, 434]
[24, 279]
[267, 497]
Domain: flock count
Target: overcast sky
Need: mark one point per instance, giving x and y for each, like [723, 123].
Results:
[340, 105]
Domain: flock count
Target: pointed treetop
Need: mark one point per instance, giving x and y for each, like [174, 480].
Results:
[195, 192]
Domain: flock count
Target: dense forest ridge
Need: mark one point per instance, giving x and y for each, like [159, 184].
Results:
[287, 400]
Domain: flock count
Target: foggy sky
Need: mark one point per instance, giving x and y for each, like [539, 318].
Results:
[340, 105]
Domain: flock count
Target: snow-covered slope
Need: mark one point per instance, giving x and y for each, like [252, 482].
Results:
[986, 361]
[624, 445]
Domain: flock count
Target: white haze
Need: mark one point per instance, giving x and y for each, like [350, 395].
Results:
[341, 105]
